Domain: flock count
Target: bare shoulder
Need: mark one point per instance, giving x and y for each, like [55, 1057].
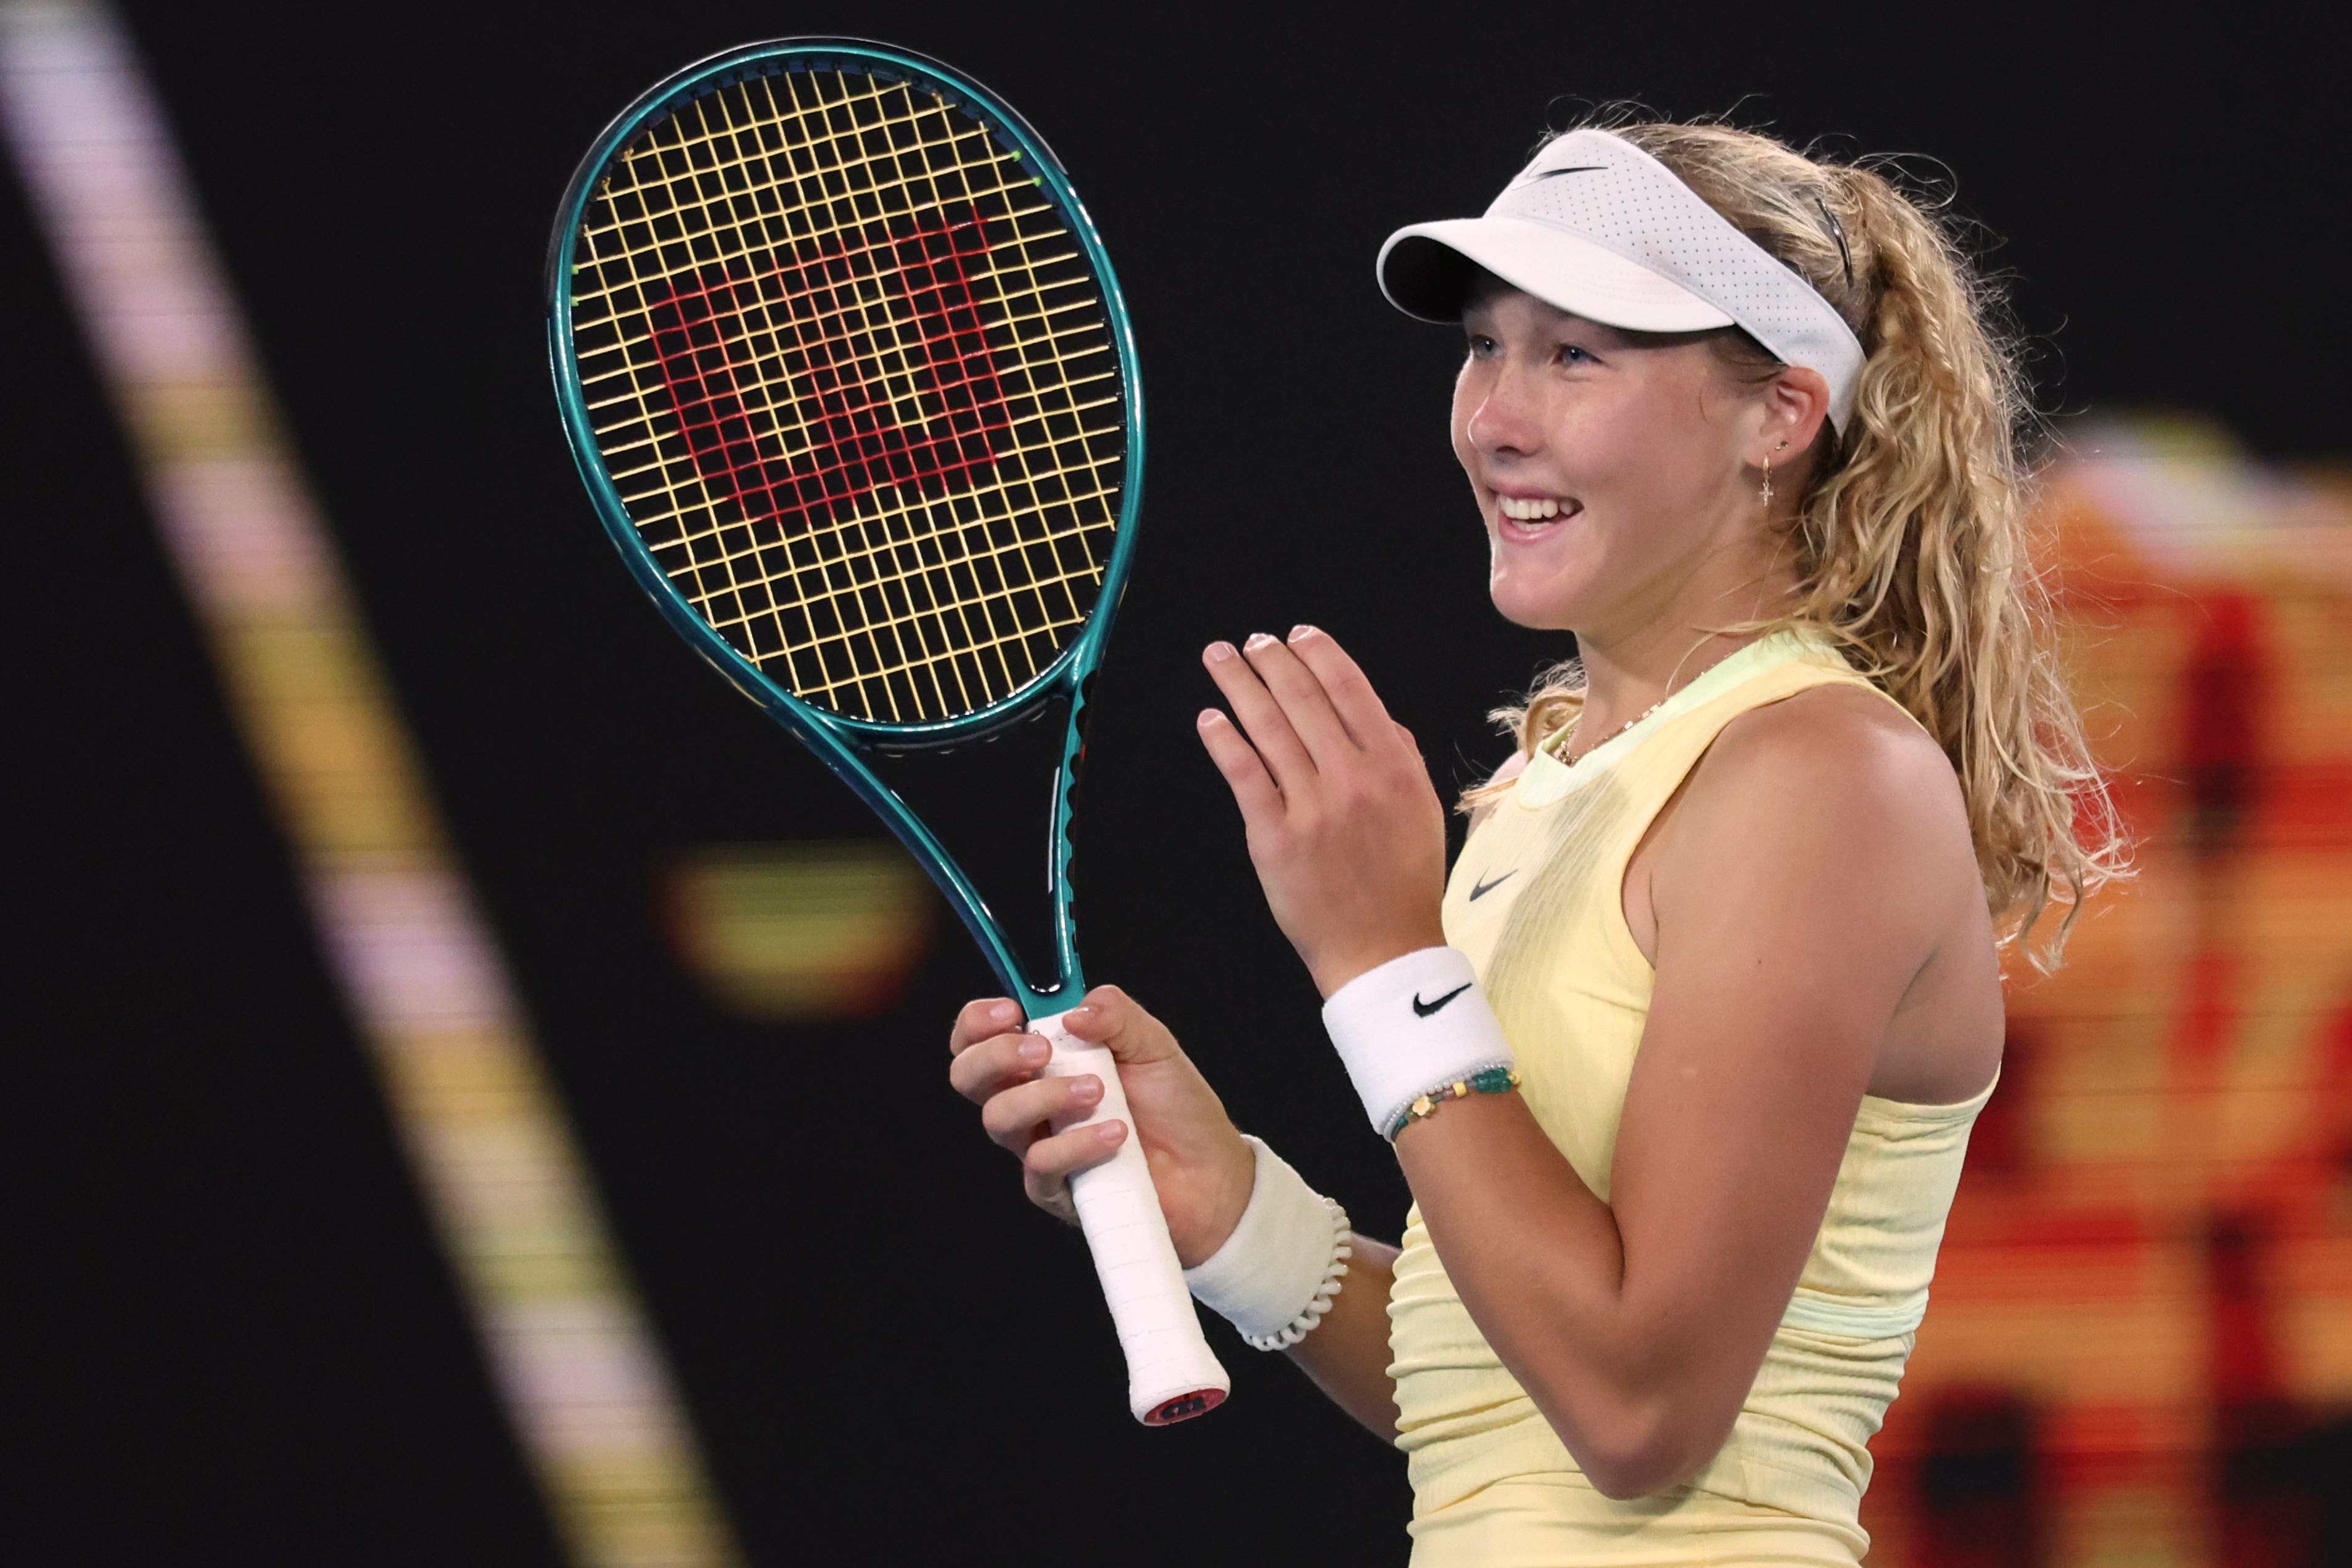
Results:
[1831, 798]
[1837, 757]
[1824, 841]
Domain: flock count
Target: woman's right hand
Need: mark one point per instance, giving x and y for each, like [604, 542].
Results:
[1201, 1169]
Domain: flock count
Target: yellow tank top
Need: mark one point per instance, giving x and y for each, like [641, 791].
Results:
[1535, 900]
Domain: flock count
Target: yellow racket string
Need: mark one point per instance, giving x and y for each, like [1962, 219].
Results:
[896, 622]
[917, 660]
[900, 510]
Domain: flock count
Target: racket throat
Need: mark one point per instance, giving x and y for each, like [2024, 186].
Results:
[951, 813]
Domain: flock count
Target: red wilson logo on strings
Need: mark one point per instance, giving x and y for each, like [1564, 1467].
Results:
[852, 331]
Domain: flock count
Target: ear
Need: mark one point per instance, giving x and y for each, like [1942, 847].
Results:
[1796, 405]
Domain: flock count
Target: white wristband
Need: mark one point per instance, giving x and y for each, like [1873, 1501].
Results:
[1411, 1024]
[1275, 1275]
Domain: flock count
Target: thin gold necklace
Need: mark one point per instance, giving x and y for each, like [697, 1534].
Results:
[1578, 728]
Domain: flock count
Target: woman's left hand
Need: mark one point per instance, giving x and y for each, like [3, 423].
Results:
[1345, 829]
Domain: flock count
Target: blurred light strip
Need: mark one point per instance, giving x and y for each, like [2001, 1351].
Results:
[576, 1363]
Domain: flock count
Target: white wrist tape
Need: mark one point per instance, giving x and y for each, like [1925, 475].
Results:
[1410, 1025]
[1275, 1275]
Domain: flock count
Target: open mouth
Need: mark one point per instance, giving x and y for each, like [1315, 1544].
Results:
[1525, 517]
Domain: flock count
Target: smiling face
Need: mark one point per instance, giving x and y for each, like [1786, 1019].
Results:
[1616, 470]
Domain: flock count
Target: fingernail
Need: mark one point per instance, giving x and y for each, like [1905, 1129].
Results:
[1260, 640]
[1109, 1131]
[1089, 1088]
[1301, 632]
[1034, 1050]
[1209, 716]
[1084, 1010]
[1003, 1012]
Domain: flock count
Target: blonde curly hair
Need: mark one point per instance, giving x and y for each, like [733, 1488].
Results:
[1912, 543]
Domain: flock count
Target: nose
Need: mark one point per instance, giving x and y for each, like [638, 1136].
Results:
[1504, 421]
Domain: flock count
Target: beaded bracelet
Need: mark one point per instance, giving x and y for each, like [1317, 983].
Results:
[1415, 1021]
[1494, 1080]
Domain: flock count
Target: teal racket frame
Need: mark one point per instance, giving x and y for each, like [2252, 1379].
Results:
[846, 743]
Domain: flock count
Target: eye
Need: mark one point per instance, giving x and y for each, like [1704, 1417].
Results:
[1482, 346]
[1576, 354]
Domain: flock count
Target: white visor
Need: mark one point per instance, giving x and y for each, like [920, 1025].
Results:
[1596, 226]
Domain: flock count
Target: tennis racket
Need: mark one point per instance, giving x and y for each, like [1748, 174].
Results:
[846, 371]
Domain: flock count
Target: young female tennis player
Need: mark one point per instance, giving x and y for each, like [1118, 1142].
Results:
[1680, 1063]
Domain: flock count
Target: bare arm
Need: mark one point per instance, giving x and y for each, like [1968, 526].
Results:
[1813, 866]
[1200, 1166]
[1348, 1354]
[1796, 897]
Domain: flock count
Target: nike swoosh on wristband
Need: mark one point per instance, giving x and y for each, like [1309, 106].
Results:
[1480, 889]
[1422, 1010]
[1573, 169]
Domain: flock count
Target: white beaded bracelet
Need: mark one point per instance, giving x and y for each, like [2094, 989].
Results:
[1311, 1314]
[1274, 1276]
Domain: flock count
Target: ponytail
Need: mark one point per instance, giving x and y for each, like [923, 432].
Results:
[1912, 537]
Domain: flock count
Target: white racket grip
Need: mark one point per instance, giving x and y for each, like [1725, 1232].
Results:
[1172, 1374]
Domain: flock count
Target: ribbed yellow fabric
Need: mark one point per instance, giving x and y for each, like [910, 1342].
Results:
[1535, 900]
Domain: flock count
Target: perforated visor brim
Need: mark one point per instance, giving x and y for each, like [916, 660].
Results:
[1428, 269]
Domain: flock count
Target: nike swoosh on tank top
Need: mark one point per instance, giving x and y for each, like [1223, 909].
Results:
[1492, 1482]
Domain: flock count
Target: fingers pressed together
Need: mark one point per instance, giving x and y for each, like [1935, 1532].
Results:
[1343, 826]
[1301, 709]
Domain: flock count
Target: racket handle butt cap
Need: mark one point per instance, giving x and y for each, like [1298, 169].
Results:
[1172, 1375]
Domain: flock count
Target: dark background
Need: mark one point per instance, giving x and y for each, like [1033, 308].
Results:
[228, 1335]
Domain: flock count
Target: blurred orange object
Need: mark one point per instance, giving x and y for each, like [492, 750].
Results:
[2140, 1346]
[807, 931]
